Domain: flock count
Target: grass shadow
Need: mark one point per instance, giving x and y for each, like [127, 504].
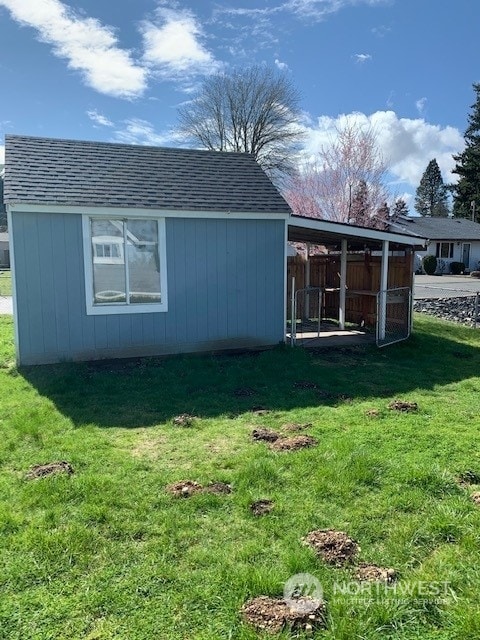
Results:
[149, 391]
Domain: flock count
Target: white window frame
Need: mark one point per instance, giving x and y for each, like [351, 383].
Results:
[111, 308]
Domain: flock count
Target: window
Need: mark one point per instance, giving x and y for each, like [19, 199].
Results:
[444, 250]
[125, 265]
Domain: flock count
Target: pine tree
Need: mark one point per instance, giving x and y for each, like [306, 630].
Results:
[467, 189]
[400, 208]
[431, 197]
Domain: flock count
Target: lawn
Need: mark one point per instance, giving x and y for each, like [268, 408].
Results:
[5, 283]
[108, 553]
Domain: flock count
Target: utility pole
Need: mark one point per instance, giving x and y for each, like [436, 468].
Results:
[473, 208]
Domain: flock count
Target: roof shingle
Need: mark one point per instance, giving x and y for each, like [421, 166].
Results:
[74, 172]
[437, 228]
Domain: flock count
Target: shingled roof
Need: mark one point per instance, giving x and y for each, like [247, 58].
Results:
[74, 172]
[437, 228]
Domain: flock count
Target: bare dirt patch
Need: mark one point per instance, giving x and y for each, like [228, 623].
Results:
[272, 615]
[184, 420]
[293, 443]
[334, 547]
[294, 427]
[476, 497]
[403, 406]
[265, 435]
[184, 488]
[373, 573]
[148, 447]
[372, 413]
[52, 468]
[261, 507]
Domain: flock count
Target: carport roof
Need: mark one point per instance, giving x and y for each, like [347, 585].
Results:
[330, 234]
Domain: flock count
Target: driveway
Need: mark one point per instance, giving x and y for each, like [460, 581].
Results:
[6, 305]
[444, 286]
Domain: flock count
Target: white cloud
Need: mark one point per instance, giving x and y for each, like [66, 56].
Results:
[315, 10]
[174, 47]
[406, 144]
[283, 66]
[2, 155]
[99, 118]
[361, 58]
[420, 105]
[138, 131]
[87, 45]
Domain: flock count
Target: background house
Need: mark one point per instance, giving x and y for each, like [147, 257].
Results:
[449, 239]
[4, 250]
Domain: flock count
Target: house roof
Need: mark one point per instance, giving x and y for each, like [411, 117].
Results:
[437, 228]
[330, 234]
[75, 172]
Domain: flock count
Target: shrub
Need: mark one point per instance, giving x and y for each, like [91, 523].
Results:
[429, 264]
[457, 268]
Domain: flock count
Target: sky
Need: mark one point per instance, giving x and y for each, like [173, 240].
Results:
[117, 71]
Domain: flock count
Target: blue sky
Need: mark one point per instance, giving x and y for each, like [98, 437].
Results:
[117, 71]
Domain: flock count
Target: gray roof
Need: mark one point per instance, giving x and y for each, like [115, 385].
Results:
[438, 228]
[74, 172]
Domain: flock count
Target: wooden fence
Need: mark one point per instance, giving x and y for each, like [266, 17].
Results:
[363, 274]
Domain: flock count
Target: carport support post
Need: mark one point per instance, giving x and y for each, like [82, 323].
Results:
[306, 310]
[382, 320]
[343, 285]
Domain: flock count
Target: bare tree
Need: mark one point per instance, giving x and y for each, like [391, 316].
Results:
[254, 110]
[345, 182]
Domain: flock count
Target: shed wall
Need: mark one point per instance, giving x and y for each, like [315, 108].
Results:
[225, 290]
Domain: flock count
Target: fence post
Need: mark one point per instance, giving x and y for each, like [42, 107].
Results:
[293, 321]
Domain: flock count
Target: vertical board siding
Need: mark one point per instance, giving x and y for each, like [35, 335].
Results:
[225, 282]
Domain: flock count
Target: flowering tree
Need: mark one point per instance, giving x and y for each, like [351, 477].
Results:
[345, 182]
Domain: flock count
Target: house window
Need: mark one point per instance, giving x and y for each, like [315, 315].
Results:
[125, 265]
[444, 250]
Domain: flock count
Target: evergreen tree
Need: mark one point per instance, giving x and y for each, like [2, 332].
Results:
[431, 197]
[400, 208]
[467, 189]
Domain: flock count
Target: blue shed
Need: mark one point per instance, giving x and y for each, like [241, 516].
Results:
[121, 250]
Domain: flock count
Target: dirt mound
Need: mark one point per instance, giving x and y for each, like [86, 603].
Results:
[403, 405]
[183, 420]
[272, 615]
[294, 427]
[334, 547]
[265, 435]
[372, 413]
[184, 489]
[468, 477]
[187, 488]
[476, 497]
[293, 443]
[372, 573]
[219, 488]
[261, 507]
[43, 470]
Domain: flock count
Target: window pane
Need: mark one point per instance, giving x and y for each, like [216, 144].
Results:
[143, 261]
[108, 273]
[445, 250]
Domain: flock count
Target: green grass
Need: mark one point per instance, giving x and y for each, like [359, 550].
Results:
[108, 554]
[5, 283]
